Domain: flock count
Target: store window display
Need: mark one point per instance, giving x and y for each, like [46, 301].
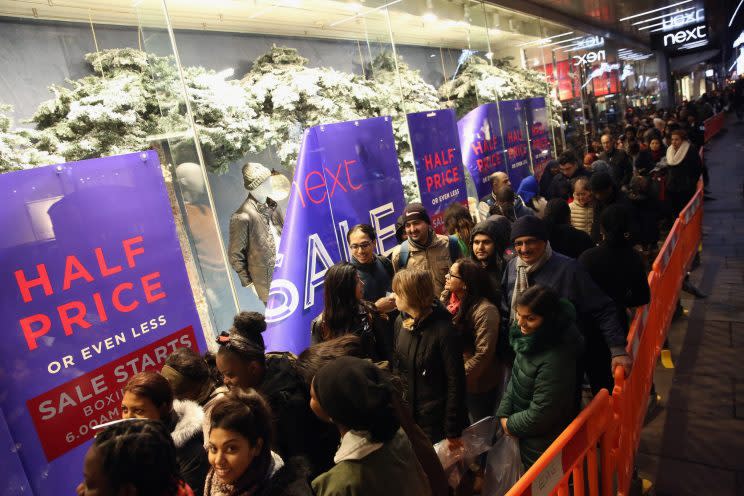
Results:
[212, 96]
[255, 229]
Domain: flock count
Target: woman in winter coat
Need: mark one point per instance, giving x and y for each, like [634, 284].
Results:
[375, 456]
[683, 170]
[239, 450]
[345, 311]
[615, 266]
[477, 320]
[148, 395]
[428, 358]
[136, 457]
[540, 398]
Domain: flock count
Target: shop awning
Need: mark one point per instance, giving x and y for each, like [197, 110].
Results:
[685, 61]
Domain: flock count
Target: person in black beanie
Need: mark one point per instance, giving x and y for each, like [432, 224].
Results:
[537, 263]
[354, 395]
[551, 170]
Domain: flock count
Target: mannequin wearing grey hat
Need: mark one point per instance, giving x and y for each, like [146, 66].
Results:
[255, 228]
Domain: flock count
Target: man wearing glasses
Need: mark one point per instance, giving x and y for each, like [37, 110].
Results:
[537, 263]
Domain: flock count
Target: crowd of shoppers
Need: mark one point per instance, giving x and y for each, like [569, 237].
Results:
[515, 313]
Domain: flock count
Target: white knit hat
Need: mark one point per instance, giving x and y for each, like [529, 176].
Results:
[254, 174]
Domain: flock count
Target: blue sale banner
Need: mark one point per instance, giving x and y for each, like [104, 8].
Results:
[539, 133]
[93, 289]
[436, 153]
[514, 129]
[482, 145]
[13, 479]
[347, 174]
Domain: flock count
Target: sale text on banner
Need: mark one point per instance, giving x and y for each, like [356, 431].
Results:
[347, 174]
[93, 288]
[438, 161]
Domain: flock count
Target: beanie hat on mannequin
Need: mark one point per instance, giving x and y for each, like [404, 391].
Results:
[254, 174]
[529, 225]
[415, 211]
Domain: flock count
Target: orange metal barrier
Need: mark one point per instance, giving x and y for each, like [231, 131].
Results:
[713, 126]
[612, 425]
[575, 457]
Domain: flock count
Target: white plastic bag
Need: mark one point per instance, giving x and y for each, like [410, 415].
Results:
[452, 462]
[503, 466]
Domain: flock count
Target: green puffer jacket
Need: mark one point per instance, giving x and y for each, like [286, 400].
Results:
[540, 399]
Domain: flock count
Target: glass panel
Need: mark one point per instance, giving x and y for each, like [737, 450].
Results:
[258, 74]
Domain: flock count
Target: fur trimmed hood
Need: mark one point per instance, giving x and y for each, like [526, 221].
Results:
[188, 418]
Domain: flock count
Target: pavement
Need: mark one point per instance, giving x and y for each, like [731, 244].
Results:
[694, 443]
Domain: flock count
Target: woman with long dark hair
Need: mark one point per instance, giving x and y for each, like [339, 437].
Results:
[477, 320]
[540, 400]
[458, 222]
[345, 311]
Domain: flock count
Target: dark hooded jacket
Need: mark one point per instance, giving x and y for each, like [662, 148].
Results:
[428, 359]
[539, 401]
[617, 197]
[499, 230]
[621, 166]
[560, 186]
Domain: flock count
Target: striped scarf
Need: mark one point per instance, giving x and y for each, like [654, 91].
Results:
[522, 283]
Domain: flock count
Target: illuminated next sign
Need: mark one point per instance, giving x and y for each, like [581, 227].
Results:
[684, 36]
[683, 19]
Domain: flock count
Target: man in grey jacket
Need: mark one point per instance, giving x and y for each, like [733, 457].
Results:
[536, 263]
[255, 229]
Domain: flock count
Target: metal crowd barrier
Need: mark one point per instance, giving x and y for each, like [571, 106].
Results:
[595, 455]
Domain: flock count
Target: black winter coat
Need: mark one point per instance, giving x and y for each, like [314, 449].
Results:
[621, 166]
[616, 198]
[621, 274]
[560, 186]
[683, 177]
[428, 359]
[566, 239]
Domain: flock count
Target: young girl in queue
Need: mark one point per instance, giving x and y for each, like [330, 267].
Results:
[539, 401]
[240, 456]
[135, 457]
[148, 395]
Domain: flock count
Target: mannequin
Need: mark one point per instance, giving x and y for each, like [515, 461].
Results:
[255, 228]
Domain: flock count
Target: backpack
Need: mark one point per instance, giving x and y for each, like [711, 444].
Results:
[405, 251]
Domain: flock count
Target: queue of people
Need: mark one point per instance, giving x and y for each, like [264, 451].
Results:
[517, 313]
